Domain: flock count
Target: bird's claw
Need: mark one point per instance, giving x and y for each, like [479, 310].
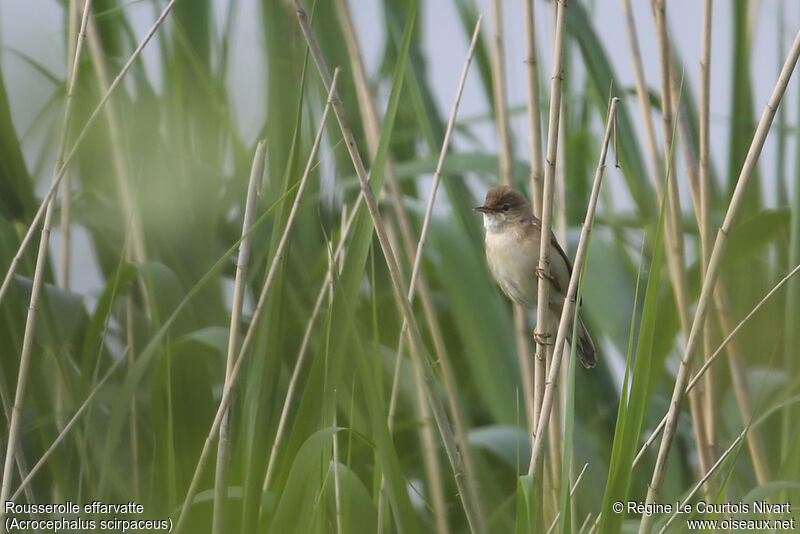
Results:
[542, 338]
[542, 274]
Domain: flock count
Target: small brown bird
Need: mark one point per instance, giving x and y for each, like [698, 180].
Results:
[513, 236]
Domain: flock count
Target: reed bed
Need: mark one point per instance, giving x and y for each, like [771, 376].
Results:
[292, 327]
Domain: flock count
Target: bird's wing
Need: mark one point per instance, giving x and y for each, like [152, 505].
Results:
[555, 244]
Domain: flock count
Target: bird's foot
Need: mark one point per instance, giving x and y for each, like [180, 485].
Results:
[542, 338]
[542, 274]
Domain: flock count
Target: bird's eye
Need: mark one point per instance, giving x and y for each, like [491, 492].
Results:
[506, 207]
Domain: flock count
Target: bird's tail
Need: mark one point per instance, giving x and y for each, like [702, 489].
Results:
[586, 352]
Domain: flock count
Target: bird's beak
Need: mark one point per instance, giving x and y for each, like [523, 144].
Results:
[482, 209]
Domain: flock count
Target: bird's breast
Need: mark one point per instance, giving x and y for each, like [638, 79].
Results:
[513, 258]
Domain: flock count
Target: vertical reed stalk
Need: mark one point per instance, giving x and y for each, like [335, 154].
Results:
[66, 198]
[542, 332]
[643, 96]
[704, 220]
[499, 90]
[539, 370]
[673, 229]
[506, 164]
[557, 421]
[66, 215]
[568, 310]
[240, 281]
[534, 106]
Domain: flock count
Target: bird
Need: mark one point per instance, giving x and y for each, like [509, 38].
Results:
[513, 236]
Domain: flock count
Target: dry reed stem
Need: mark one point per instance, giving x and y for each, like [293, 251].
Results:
[227, 392]
[705, 133]
[62, 277]
[706, 398]
[676, 260]
[499, 90]
[560, 197]
[555, 439]
[713, 272]
[504, 149]
[73, 150]
[240, 282]
[534, 108]
[569, 302]
[552, 478]
[67, 427]
[66, 199]
[527, 369]
[65, 249]
[683, 128]
[729, 339]
[466, 493]
[721, 309]
[539, 370]
[543, 296]
[38, 279]
[704, 220]
[642, 95]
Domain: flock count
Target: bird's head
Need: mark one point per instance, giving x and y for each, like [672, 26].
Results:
[503, 205]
